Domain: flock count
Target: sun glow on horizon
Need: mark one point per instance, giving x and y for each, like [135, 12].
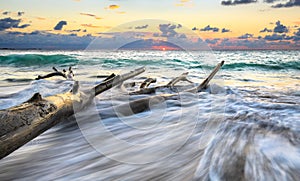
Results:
[208, 20]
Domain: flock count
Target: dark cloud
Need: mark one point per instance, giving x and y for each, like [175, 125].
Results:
[290, 3]
[32, 33]
[246, 36]
[72, 31]
[298, 32]
[279, 28]
[24, 26]
[48, 40]
[36, 33]
[182, 36]
[60, 25]
[168, 30]
[224, 30]
[208, 28]
[265, 30]
[15, 33]
[155, 34]
[24, 33]
[296, 38]
[279, 37]
[213, 29]
[6, 13]
[289, 37]
[237, 2]
[141, 27]
[270, 1]
[8, 23]
[212, 41]
[255, 44]
[200, 40]
[274, 37]
[20, 13]
[43, 40]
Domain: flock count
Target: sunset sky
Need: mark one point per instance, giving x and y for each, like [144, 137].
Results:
[235, 24]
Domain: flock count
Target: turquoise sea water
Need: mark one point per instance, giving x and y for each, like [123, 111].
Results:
[245, 126]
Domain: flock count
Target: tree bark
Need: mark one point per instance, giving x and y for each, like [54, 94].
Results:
[22, 123]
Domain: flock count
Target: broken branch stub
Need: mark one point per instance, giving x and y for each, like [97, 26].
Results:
[147, 82]
[204, 84]
[116, 80]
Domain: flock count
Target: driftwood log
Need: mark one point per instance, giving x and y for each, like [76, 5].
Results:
[171, 84]
[144, 104]
[65, 74]
[22, 123]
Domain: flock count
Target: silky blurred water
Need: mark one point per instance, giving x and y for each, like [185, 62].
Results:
[245, 126]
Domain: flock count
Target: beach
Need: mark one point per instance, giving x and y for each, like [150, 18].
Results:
[245, 125]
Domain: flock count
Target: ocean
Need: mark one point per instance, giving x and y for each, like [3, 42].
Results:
[245, 126]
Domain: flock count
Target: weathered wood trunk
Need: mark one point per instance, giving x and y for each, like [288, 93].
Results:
[182, 77]
[144, 104]
[22, 123]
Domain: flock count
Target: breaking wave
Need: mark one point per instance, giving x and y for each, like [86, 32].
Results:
[27, 60]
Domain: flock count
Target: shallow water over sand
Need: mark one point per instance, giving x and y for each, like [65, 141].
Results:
[244, 127]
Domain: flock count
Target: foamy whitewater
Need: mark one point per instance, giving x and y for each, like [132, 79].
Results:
[245, 126]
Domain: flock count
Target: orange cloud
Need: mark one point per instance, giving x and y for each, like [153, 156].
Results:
[121, 12]
[90, 26]
[297, 22]
[91, 15]
[40, 18]
[93, 26]
[187, 3]
[113, 6]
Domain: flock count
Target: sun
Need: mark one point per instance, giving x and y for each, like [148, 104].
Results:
[164, 49]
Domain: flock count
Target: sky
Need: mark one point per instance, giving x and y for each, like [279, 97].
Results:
[221, 24]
